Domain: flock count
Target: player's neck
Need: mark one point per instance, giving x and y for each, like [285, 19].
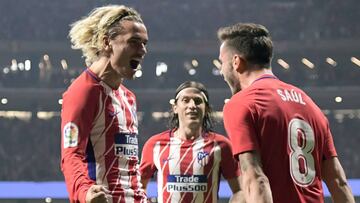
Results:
[187, 133]
[248, 77]
[103, 70]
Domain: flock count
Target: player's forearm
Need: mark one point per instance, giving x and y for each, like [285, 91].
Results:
[340, 192]
[334, 176]
[255, 184]
[258, 190]
[76, 179]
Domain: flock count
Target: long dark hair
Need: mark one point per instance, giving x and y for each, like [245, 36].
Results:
[207, 124]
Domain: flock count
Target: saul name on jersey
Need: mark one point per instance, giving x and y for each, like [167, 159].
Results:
[291, 95]
[126, 145]
[186, 183]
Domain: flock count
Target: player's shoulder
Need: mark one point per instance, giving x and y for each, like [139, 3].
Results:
[84, 86]
[218, 137]
[127, 91]
[239, 102]
[162, 136]
[244, 97]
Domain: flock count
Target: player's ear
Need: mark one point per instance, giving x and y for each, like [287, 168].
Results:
[174, 107]
[106, 44]
[239, 63]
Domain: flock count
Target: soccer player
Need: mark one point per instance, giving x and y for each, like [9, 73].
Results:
[99, 149]
[189, 158]
[281, 138]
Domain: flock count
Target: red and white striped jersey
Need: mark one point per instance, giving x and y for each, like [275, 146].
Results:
[188, 171]
[99, 140]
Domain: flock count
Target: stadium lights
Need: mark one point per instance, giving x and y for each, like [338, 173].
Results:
[46, 115]
[46, 57]
[194, 63]
[64, 64]
[216, 70]
[22, 115]
[21, 66]
[283, 64]
[307, 63]
[6, 70]
[338, 99]
[14, 65]
[27, 65]
[157, 115]
[217, 63]
[355, 61]
[138, 73]
[47, 63]
[331, 61]
[192, 71]
[4, 101]
[189, 66]
[161, 67]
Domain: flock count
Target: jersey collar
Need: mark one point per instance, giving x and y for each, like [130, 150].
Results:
[265, 76]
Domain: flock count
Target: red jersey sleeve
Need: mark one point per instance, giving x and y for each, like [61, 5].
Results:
[240, 127]
[78, 112]
[147, 166]
[229, 166]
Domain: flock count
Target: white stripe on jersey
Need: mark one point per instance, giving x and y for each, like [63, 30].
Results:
[120, 113]
[197, 168]
[156, 159]
[174, 160]
[215, 171]
[98, 141]
[132, 110]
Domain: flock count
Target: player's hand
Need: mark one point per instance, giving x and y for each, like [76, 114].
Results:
[97, 194]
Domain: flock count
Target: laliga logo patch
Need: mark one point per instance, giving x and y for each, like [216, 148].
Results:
[71, 133]
[203, 158]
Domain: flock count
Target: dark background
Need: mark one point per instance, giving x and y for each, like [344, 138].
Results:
[179, 32]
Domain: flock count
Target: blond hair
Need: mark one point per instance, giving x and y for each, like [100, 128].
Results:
[88, 33]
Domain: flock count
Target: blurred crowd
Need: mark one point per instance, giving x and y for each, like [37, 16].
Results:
[289, 20]
[344, 74]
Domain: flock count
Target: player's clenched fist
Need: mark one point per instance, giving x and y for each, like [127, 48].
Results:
[97, 194]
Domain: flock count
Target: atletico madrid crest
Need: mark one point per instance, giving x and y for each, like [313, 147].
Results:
[203, 158]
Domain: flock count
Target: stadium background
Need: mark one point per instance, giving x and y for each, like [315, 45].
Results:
[317, 47]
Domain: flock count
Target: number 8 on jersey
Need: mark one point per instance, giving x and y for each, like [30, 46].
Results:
[301, 142]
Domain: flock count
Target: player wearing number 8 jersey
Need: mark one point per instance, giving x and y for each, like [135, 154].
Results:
[279, 135]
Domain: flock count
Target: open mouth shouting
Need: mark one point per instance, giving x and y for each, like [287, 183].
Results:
[135, 64]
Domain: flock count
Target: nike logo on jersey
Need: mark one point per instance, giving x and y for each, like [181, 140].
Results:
[168, 159]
